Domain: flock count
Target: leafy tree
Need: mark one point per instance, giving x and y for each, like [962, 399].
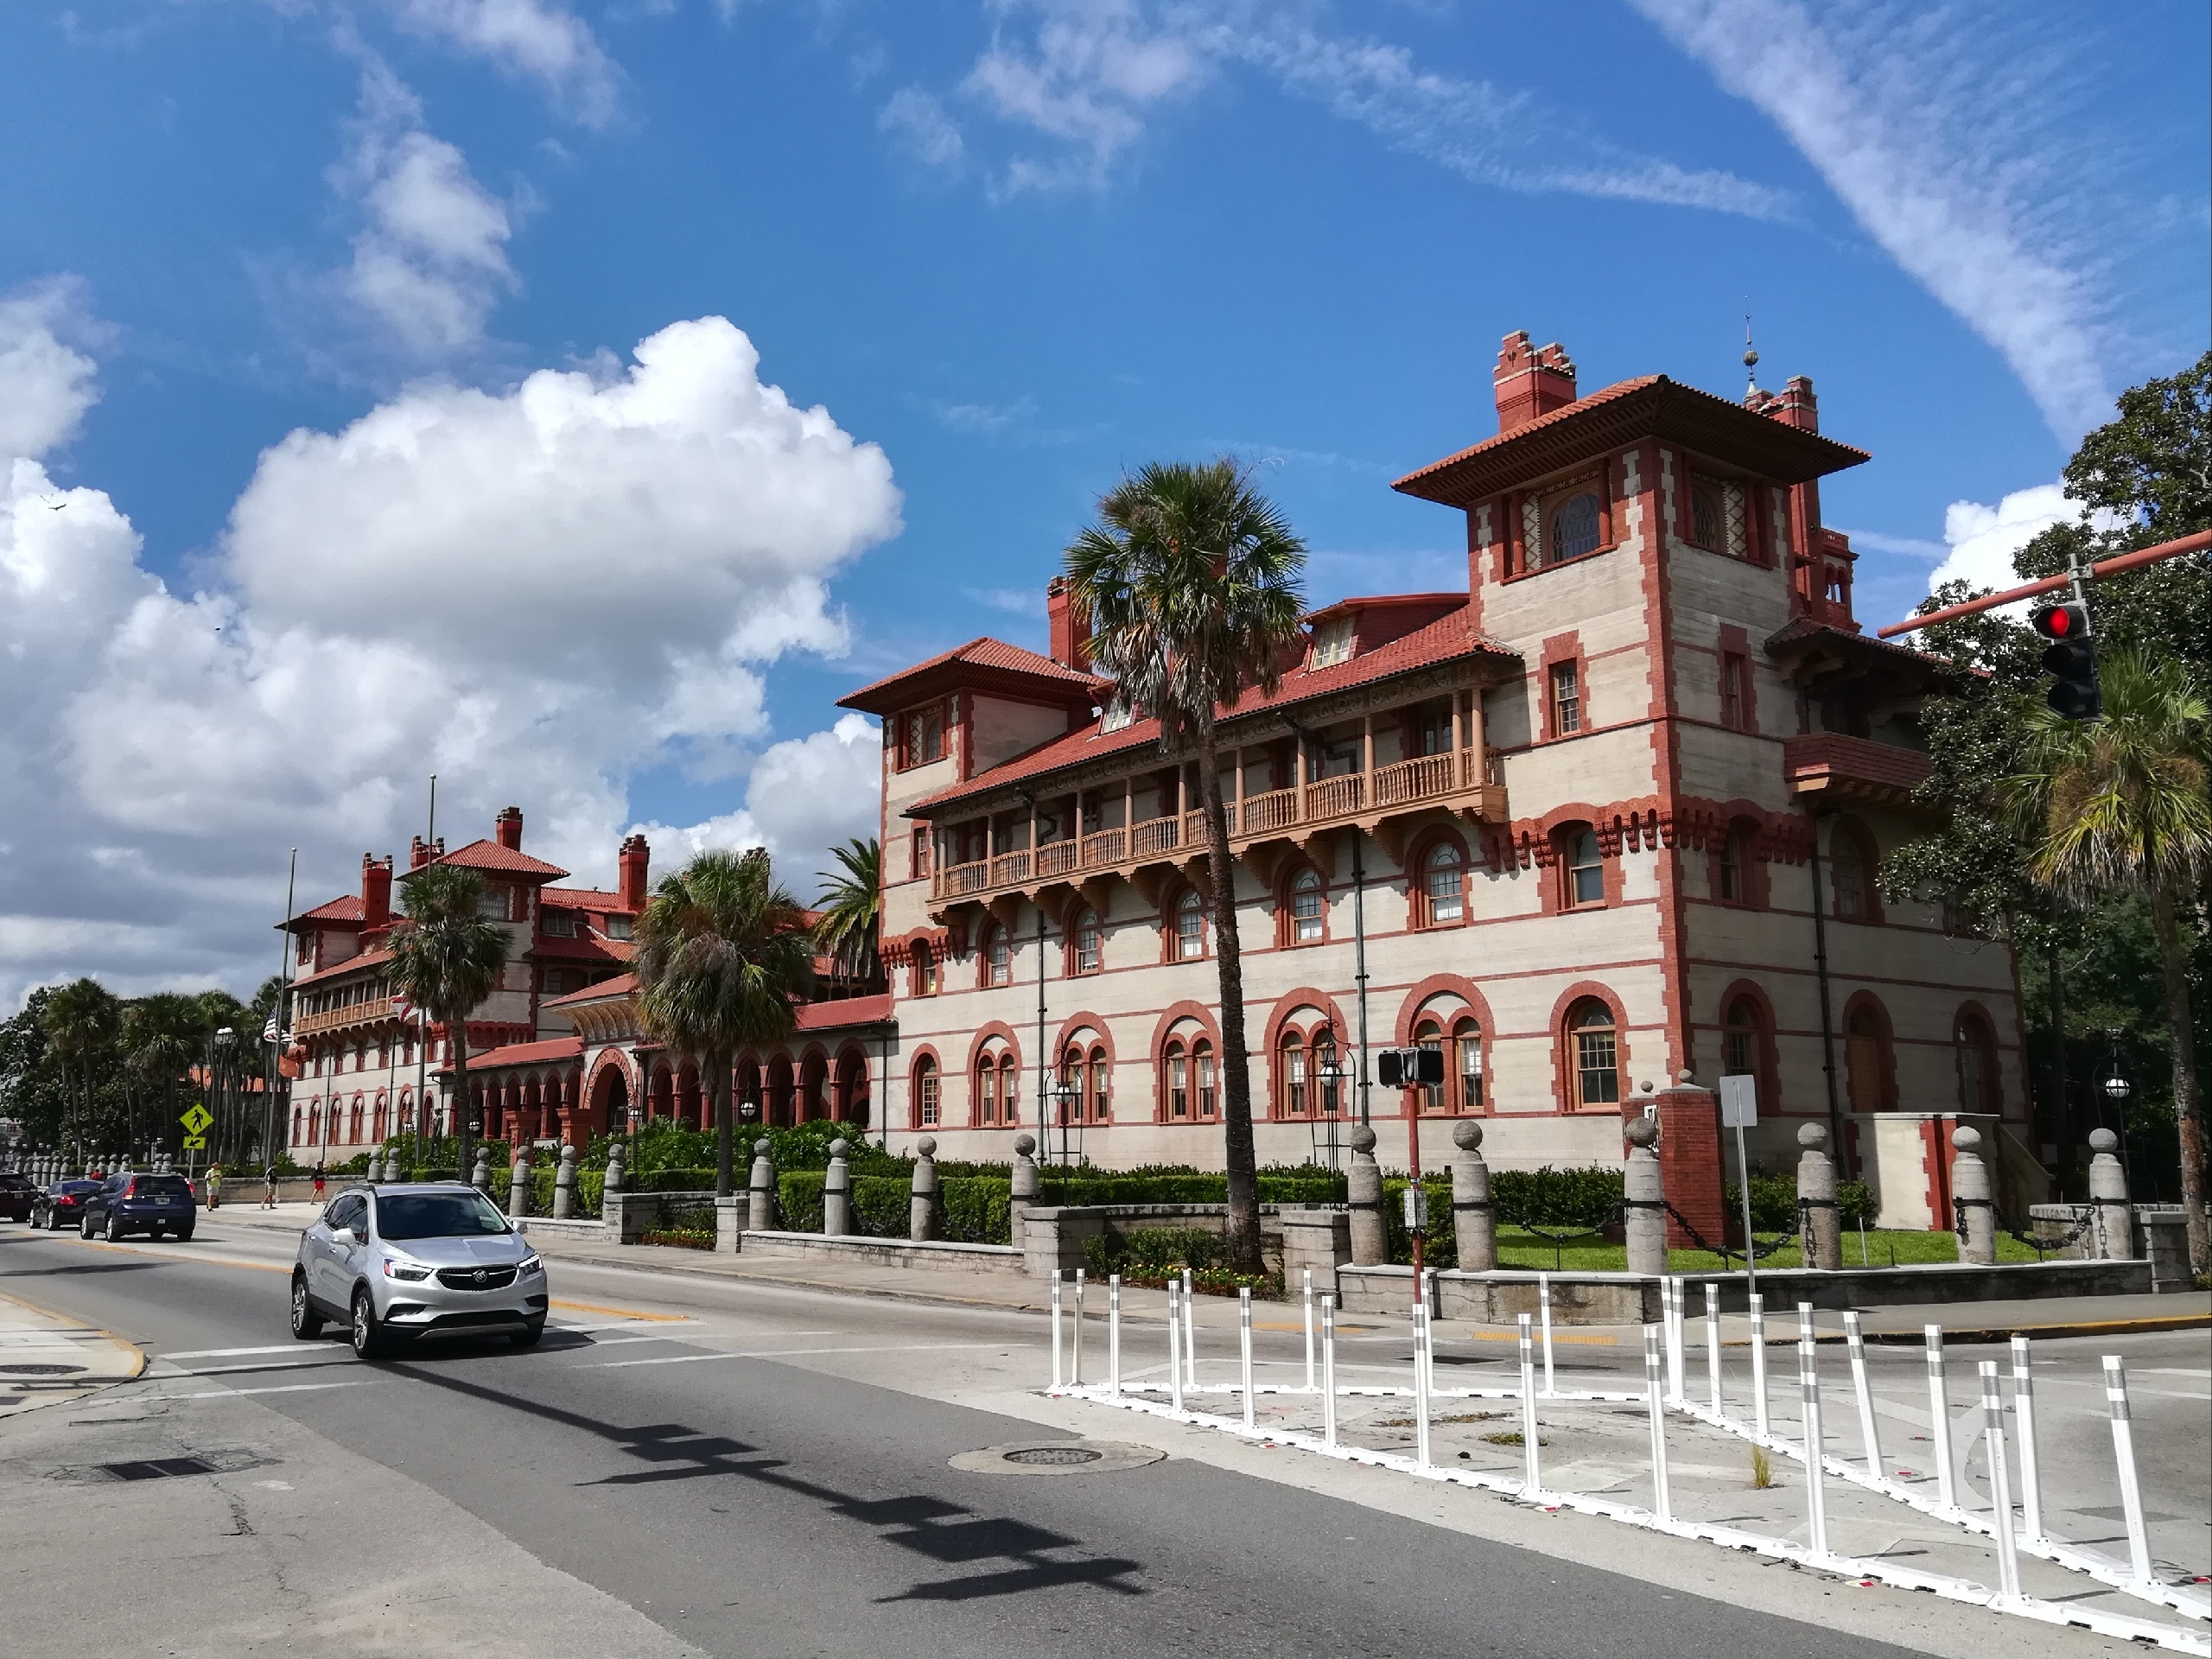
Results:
[33, 1087]
[2124, 803]
[447, 957]
[849, 930]
[164, 1035]
[82, 1019]
[723, 956]
[1190, 583]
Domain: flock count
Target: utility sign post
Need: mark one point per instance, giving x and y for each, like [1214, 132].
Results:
[1739, 1110]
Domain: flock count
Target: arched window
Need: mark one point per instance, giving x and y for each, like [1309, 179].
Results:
[1190, 925]
[404, 1120]
[1430, 1097]
[1202, 1067]
[1851, 874]
[1068, 1091]
[986, 1089]
[1586, 875]
[998, 956]
[1467, 1047]
[377, 1132]
[1740, 1039]
[1441, 885]
[1575, 527]
[1705, 518]
[924, 971]
[1866, 1059]
[1097, 1086]
[1594, 1053]
[296, 1125]
[927, 1105]
[1088, 938]
[1306, 920]
[1977, 1065]
[1179, 1083]
[1009, 1091]
[1290, 1075]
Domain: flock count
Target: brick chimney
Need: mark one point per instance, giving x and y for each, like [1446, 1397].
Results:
[1794, 404]
[419, 854]
[507, 827]
[1070, 632]
[1530, 381]
[632, 860]
[376, 890]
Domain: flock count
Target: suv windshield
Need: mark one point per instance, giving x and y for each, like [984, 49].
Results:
[160, 1186]
[436, 1215]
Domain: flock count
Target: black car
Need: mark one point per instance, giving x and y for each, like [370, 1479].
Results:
[17, 1194]
[152, 1205]
[62, 1205]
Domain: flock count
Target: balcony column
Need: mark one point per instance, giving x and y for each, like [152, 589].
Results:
[1128, 817]
[1367, 743]
[1481, 761]
[1455, 723]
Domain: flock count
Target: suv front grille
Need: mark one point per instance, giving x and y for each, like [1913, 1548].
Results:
[476, 1278]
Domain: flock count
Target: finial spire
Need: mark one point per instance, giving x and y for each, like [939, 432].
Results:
[1752, 393]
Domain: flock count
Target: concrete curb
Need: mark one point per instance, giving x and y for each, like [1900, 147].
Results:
[32, 1335]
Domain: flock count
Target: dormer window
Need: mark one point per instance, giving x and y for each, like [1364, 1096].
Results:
[1333, 642]
[1576, 527]
[560, 924]
[1117, 714]
[617, 927]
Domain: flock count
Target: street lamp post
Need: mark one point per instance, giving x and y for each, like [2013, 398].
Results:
[2117, 1089]
[1331, 1074]
[1067, 1092]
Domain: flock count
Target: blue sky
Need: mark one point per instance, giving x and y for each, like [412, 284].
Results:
[1013, 247]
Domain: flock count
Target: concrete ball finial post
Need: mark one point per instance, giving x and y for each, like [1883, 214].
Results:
[760, 1190]
[1363, 1187]
[1474, 1223]
[480, 1176]
[1025, 1185]
[1822, 1238]
[616, 1177]
[518, 1188]
[564, 1185]
[2112, 1223]
[921, 1226]
[1975, 1201]
[1644, 1200]
[837, 1193]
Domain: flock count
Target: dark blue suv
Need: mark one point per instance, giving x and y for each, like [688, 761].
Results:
[152, 1205]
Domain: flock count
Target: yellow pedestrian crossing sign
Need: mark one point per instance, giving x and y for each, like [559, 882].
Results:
[195, 1143]
[197, 1120]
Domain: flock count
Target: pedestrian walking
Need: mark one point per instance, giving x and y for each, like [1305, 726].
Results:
[215, 1187]
[318, 1183]
[269, 1187]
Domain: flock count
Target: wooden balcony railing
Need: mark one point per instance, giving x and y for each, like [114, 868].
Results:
[374, 1012]
[1424, 780]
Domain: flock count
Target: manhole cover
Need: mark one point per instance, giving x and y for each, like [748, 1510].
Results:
[157, 1468]
[1057, 1457]
[40, 1371]
[1050, 1454]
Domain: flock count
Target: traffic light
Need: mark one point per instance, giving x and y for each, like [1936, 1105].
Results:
[2070, 659]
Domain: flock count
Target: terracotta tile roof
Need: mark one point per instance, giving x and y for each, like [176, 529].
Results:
[605, 991]
[1617, 416]
[583, 898]
[983, 659]
[494, 1059]
[1803, 630]
[581, 950]
[844, 1011]
[347, 909]
[1447, 639]
[351, 965]
[490, 855]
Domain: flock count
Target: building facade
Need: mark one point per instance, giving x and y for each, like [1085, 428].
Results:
[1607, 818]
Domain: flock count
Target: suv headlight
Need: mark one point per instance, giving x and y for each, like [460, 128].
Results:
[529, 1265]
[406, 1270]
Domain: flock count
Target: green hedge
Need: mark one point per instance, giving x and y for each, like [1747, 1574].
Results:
[1773, 1202]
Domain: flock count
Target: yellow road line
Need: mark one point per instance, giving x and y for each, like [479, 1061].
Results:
[209, 1261]
[1557, 1336]
[622, 1312]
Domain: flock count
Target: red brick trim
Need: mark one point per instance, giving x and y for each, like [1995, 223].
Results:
[1156, 1056]
[1286, 932]
[1306, 996]
[1971, 1013]
[1560, 648]
[1415, 871]
[1434, 986]
[1766, 1063]
[996, 1029]
[922, 1051]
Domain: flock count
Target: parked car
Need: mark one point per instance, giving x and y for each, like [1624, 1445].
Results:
[149, 1204]
[400, 1264]
[60, 1205]
[17, 1194]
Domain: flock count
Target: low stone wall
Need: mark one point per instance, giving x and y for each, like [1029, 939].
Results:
[584, 1227]
[1631, 1298]
[854, 1250]
[628, 1217]
[1053, 1237]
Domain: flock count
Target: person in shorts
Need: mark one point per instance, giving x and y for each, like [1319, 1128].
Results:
[269, 1187]
[318, 1183]
[215, 1187]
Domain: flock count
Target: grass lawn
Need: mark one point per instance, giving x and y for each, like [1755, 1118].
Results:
[1884, 1247]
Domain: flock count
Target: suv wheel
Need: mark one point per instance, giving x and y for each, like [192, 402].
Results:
[307, 1324]
[84, 1227]
[367, 1333]
[528, 1337]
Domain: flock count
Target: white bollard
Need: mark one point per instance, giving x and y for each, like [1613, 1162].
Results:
[1656, 1412]
[2000, 1482]
[1544, 1303]
[1867, 1433]
[1532, 1483]
[1421, 1339]
[1114, 1336]
[1674, 1306]
[1939, 1419]
[1058, 1382]
[2123, 1449]
[1244, 1351]
[1759, 1369]
[1329, 1369]
[1309, 1330]
[1808, 1389]
[1189, 1332]
[1075, 1359]
[1174, 1344]
[2024, 1414]
[1712, 1345]
[1428, 1361]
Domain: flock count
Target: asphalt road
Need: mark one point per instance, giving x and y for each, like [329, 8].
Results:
[772, 1478]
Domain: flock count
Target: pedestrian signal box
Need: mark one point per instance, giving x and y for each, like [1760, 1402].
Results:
[1409, 1068]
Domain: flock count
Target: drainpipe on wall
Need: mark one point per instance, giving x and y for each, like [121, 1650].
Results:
[1044, 1060]
[1359, 958]
[1827, 1021]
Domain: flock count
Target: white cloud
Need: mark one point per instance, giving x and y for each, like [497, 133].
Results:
[983, 418]
[917, 122]
[431, 263]
[525, 37]
[1927, 136]
[45, 385]
[536, 592]
[1014, 602]
[1983, 539]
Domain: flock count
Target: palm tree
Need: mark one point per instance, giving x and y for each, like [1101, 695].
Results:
[2125, 802]
[852, 909]
[447, 957]
[722, 953]
[81, 1019]
[1190, 581]
[162, 1034]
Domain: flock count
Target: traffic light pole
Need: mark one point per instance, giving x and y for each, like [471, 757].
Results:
[2073, 579]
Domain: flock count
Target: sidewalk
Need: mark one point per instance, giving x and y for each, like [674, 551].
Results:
[46, 1359]
[2067, 1316]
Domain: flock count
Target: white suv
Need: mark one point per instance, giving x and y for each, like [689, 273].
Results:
[412, 1261]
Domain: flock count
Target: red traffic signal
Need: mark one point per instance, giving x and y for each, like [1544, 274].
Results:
[2063, 622]
[2070, 659]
